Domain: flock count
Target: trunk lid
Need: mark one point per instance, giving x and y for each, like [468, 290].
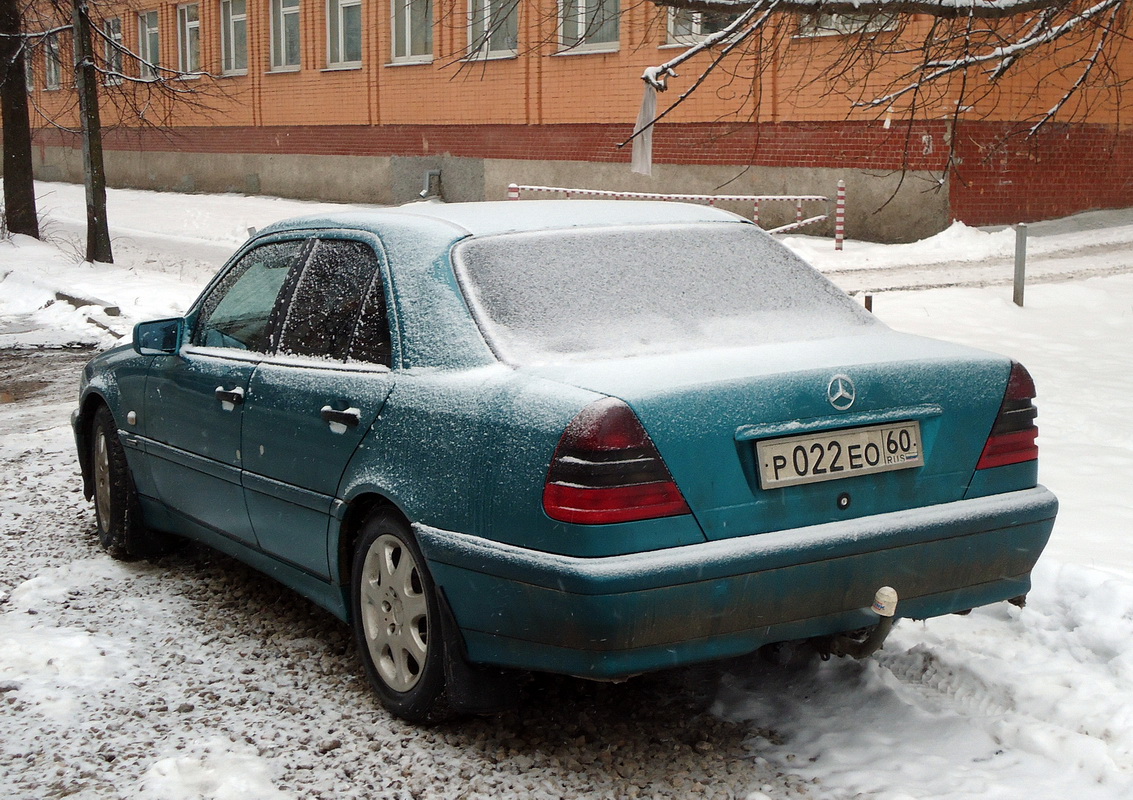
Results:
[707, 411]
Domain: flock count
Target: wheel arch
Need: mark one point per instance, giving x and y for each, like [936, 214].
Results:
[83, 425]
[467, 688]
[358, 510]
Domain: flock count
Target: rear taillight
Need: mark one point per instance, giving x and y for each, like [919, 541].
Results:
[607, 469]
[1012, 439]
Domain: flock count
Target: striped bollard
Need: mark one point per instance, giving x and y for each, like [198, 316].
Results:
[840, 216]
[798, 212]
[755, 213]
[512, 191]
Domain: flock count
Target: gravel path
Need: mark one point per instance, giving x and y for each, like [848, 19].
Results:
[135, 680]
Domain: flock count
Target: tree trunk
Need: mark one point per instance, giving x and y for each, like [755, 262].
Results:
[94, 172]
[19, 187]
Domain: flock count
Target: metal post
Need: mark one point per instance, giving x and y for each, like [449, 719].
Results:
[840, 216]
[1020, 262]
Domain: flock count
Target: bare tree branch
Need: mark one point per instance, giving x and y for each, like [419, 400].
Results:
[945, 9]
[935, 70]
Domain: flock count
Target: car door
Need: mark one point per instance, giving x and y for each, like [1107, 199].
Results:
[310, 405]
[195, 398]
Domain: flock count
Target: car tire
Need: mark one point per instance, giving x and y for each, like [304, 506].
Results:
[117, 511]
[398, 622]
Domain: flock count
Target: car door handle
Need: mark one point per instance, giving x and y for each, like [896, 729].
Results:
[349, 417]
[230, 397]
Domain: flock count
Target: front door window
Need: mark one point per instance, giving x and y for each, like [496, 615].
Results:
[238, 313]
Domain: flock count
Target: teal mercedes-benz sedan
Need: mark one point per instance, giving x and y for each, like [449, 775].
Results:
[583, 437]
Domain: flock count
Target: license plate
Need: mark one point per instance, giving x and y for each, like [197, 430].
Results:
[830, 456]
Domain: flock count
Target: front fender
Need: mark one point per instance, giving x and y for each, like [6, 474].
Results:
[115, 379]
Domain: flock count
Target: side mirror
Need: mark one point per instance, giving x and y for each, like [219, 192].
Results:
[160, 337]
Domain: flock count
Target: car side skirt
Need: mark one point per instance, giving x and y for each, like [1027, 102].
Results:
[316, 589]
[617, 616]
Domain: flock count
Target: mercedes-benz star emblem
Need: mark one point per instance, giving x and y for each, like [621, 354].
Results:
[840, 392]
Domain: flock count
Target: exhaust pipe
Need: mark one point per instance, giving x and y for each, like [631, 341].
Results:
[845, 644]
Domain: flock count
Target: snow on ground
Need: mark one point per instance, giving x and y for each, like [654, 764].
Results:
[195, 677]
[1095, 243]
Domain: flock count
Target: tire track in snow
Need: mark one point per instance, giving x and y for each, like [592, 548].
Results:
[954, 274]
[1048, 260]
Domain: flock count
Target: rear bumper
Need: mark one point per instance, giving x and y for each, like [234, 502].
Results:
[616, 616]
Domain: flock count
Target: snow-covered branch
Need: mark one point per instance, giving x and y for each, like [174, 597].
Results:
[658, 76]
[1005, 54]
[918, 44]
[1087, 71]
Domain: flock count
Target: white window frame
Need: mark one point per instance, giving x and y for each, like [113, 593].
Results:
[484, 28]
[694, 31]
[337, 30]
[580, 20]
[52, 63]
[149, 50]
[283, 13]
[188, 39]
[403, 14]
[231, 61]
[112, 50]
[816, 25]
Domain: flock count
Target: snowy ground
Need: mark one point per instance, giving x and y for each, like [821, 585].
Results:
[195, 677]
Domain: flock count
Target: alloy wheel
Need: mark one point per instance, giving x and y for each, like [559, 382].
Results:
[395, 613]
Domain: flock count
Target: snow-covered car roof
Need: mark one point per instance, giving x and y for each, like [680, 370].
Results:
[510, 216]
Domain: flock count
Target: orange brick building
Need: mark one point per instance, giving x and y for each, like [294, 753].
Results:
[358, 99]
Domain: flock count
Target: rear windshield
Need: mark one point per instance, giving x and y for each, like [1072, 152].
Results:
[621, 291]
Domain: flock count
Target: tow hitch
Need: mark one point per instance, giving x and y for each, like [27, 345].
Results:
[867, 641]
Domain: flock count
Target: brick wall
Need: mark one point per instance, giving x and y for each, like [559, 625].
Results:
[1062, 170]
[850, 145]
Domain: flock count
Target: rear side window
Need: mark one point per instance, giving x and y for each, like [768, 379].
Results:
[621, 291]
[338, 309]
[238, 311]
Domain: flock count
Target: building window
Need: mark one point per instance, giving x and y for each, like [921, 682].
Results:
[493, 28]
[52, 63]
[691, 27]
[344, 32]
[149, 44]
[234, 37]
[589, 24]
[112, 30]
[844, 24]
[412, 30]
[189, 38]
[285, 34]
